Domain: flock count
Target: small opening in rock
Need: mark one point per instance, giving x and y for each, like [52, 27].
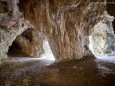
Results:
[47, 50]
[31, 44]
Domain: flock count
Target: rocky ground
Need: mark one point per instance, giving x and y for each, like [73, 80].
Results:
[21, 71]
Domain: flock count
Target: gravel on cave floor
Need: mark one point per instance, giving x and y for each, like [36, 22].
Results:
[21, 71]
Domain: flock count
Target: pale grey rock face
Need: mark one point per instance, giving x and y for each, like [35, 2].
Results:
[12, 24]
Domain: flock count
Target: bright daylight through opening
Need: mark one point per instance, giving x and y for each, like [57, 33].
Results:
[102, 40]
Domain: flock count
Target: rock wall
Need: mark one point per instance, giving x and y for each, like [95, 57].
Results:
[66, 23]
[30, 42]
[102, 39]
[12, 24]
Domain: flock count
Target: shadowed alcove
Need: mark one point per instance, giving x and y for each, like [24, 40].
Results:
[29, 43]
[15, 51]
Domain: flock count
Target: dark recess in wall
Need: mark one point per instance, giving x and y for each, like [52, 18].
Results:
[3, 7]
[111, 10]
[14, 48]
[15, 51]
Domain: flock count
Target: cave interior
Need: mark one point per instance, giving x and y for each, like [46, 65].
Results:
[57, 42]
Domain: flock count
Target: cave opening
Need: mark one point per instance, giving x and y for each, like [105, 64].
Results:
[63, 25]
[31, 43]
[15, 51]
[102, 42]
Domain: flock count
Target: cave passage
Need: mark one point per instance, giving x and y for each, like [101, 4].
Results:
[15, 51]
[51, 43]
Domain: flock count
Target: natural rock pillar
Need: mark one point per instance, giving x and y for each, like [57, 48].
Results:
[66, 23]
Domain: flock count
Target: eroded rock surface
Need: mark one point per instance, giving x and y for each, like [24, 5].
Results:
[12, 24]
[66, 23]
[30, 42]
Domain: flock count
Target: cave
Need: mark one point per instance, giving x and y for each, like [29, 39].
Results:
[102, 37]
[30, 43]
[57, 43]
[15, 51]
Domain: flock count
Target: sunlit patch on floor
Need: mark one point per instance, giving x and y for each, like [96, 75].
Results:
[105, 67]
[110, 59]
[26, 64]
[27, 59]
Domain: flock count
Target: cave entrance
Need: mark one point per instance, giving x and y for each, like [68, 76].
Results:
[15, 51]
[31, 43]
[102, 39]
[47, 50]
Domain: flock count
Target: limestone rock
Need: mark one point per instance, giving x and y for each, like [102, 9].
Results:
[12, 24]
[66, 23]
[30, 42]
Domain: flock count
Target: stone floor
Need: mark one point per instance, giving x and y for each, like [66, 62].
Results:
[21, 71]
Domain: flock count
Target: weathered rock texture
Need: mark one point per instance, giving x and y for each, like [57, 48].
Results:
[12, 24]
[102, 39]
[30, 42]
[66, 23]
